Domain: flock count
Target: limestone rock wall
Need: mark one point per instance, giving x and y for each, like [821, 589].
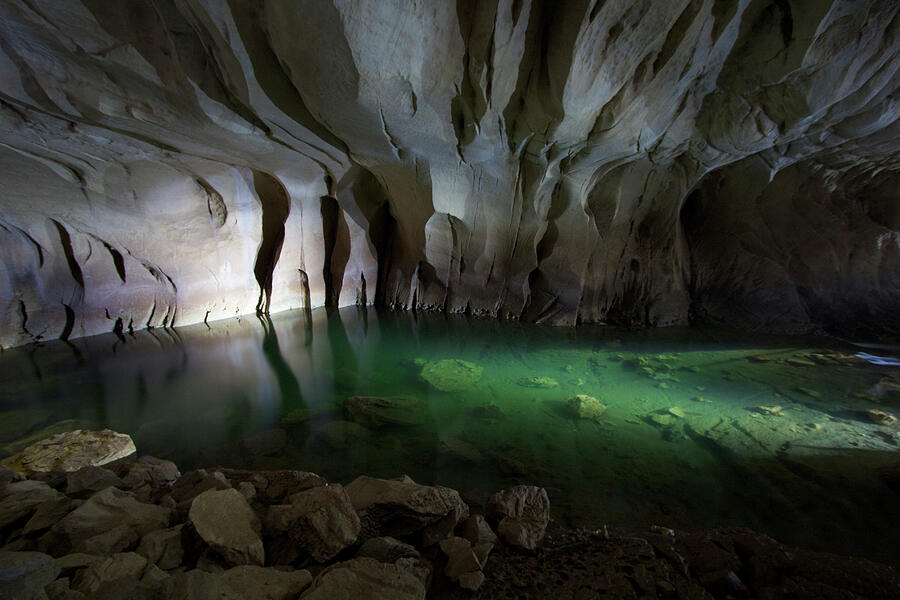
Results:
[169, 161]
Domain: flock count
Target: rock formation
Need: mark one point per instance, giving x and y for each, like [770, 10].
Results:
[167, 162]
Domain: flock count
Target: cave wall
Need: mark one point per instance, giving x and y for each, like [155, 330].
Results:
[166, 161]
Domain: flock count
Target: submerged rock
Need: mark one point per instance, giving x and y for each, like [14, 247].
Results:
[370, 411]
[451, 375]
[538, 382]
[880, 417]
[71, 451]
[460, 450]
[523, 512]
[225, 521]
[587, 407]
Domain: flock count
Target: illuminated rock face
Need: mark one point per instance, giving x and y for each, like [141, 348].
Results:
[590, 160]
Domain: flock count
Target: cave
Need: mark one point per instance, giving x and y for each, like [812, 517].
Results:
[449, 299]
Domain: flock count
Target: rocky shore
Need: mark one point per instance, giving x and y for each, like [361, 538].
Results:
[82, 516]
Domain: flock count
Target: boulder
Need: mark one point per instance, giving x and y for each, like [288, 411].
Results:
[387, 549]
[401, 506]
[89, 480]
[523, 512]
[197, 585]
[109, 521]
[225, 521]
[587, 407]
[880, 417]
[374, 412]
[48, 513]
[71, 451]
[193, 483]
[149, 470]
[21, 499]
[256, 583]
[23, 575]
[163, 547]
[118, 566]
[460, 557]
[391, 550]
[275, 487]
[365, 578]
[477, 531]
[460, 450]
[321, 520]
[451, 375]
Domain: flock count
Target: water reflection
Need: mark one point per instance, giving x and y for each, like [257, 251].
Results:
[701, 428]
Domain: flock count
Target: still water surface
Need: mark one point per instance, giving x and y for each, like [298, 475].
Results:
[702, 428]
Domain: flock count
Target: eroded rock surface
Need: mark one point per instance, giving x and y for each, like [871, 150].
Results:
[644, 162]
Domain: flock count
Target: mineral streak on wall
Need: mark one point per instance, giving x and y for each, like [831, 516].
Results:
[169, 161]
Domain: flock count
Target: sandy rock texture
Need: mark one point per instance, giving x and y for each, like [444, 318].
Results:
[644, 162]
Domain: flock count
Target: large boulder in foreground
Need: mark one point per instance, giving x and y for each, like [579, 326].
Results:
[71, 451]
[320, 520]
[523, 512]
[108, 522]
[224, 520]
[365, 578]
[23, 575]
[398, 507]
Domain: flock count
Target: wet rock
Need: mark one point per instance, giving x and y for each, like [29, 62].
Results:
[225, 521]
[886, 388]
[759, 358]
[365, 578]
[399, 507]
[880, 417]
[149, 470]
[109, 521]
[374, 412]
[661, 419]
[517, 462]
[71, 451]
[460, 450]
[543, 383]
[8, 476]
[451, 374]
[118, 566]
[321, 521]
[256, 583]
[523, 512]
[21, 499]
[477, 531]
[676, 412]
[163, 547]
[23, 575]
[587, 407]
[487, 412]
[88, 480]
[795, 361]
[809, 392]
[444, 527]
[773, 411]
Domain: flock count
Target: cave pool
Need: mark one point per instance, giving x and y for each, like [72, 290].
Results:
[703, 428]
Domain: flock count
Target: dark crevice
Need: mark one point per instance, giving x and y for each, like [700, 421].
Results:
[70, 323]
[66, 241]
[215, 205]
[276, 206]
[118, 259]
[787, 21]
[335, 236]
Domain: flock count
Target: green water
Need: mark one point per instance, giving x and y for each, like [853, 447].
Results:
[683, 442]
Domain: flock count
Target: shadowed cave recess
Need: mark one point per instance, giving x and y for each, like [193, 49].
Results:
[639, 163]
